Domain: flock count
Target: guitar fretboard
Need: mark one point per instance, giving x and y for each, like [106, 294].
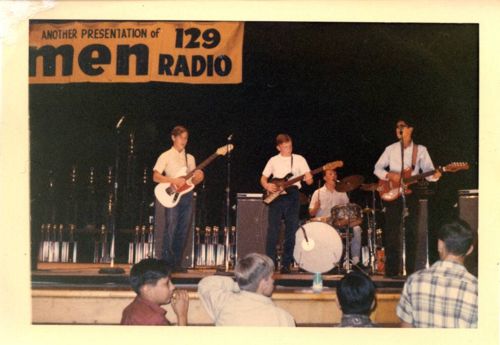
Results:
[202, 165]
[298, 178]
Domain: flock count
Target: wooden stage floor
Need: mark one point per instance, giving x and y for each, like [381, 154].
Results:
[78, 294]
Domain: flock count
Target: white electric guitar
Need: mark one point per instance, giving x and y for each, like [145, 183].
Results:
[169, 195]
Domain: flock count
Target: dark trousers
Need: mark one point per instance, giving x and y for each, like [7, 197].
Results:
[393, 239]
[172, 228]
[287, 207]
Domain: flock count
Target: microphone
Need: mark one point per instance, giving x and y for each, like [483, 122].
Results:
[120, 121]
[230, 137]
[401, 131]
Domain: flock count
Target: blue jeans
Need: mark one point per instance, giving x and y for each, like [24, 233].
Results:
[172, 228]
[287, 207]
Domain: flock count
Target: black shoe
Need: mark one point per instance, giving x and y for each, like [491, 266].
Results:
[285, 270]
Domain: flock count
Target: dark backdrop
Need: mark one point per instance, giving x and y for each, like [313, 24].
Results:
[336, 88]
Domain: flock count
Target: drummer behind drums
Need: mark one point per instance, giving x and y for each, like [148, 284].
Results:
[322, 202]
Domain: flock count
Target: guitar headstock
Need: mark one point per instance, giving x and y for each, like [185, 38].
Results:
[223, 150]
[456, 166]
[333, 165]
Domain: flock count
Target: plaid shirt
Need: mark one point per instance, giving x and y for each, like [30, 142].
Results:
[445, 296]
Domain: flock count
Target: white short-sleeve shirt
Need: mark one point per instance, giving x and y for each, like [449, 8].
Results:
[279, 166]
[172, 161]
[327, 200]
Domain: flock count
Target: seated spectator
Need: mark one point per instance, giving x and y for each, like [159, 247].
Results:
[246, 302]
[444, 295]
[150, 279]
[356, 299]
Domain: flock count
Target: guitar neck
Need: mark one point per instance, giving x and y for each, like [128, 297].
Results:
[202, 165]
[298, 178]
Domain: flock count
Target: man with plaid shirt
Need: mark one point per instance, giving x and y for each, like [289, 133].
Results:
[444, 295]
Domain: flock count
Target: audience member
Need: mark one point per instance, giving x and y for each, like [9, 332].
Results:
[356, 299]
[445, 295]
[246, 302]
[150, 279]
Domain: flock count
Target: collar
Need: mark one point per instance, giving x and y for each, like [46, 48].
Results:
[355, 319]
[256, 297]
[153, 306]
[330, 191]
[173, 149]
[449, 264]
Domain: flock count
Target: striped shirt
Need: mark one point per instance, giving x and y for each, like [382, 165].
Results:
[443, 296]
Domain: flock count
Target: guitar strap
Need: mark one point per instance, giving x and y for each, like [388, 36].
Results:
[414, 156]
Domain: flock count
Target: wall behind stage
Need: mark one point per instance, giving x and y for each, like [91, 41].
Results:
[337, 88]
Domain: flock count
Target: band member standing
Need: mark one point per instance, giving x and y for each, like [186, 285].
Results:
[286, 206]
[172, 224]
[322, 202]
[388, 167]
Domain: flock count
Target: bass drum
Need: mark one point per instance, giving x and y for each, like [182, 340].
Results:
[318, 247]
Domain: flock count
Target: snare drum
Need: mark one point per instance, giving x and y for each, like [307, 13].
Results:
[348, 214]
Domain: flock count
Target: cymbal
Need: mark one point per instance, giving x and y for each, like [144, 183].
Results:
[369, 187]
[349, 183]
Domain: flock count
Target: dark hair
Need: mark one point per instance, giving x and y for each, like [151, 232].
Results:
[282, 138]
[178, 130]
[457, 237]
[356, 293]
[148, 271]
[409, 119]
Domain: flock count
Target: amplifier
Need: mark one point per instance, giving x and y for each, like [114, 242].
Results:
[468, 200]
[251, 224]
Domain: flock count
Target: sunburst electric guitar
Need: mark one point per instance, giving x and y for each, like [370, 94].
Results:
[285, 182]
[390, 191]
[167, 193]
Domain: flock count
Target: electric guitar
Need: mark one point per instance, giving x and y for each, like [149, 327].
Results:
[390, 191]
[285, 182]
[169, 195]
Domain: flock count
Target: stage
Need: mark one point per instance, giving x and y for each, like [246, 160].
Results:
[78, 294]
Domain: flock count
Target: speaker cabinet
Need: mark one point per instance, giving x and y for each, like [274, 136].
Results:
[468, 211]
[422, 249]
[251, 224]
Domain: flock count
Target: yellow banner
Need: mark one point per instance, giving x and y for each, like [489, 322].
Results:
[134, 52]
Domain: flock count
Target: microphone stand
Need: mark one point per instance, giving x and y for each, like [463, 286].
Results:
[228, 204]
[403, 211]
[111, 269]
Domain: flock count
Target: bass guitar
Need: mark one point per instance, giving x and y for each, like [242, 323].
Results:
[285, 182]
[169, 195]
[390, 191]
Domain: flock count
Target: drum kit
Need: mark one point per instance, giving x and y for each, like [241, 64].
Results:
[323, 243]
